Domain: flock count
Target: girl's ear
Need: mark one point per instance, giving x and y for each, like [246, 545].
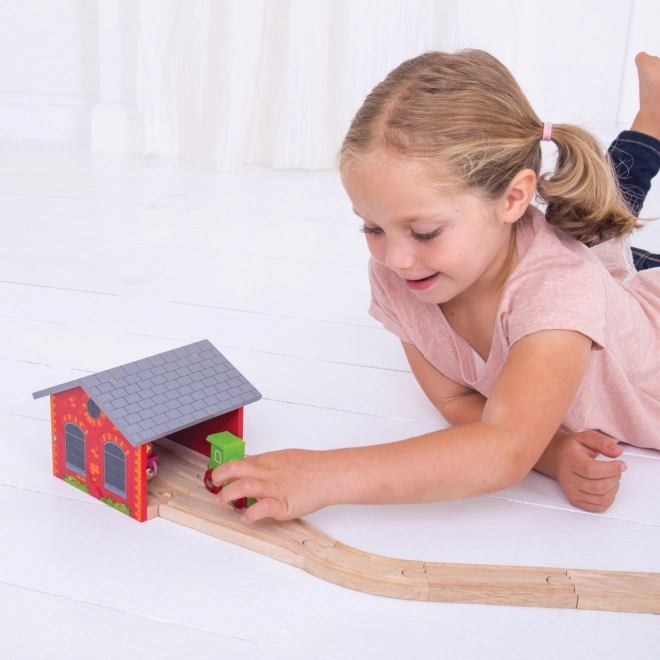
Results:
[518, 195]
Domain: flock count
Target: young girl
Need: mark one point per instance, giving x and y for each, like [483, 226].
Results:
[513, 327]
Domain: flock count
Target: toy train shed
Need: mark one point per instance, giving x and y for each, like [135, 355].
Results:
[102, 425]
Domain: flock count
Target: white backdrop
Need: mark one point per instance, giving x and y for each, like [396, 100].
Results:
[224, 83]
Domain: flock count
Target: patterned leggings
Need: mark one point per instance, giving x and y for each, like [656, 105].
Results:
[636, 159]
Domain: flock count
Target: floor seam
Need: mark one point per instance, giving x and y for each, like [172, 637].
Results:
[578, 512]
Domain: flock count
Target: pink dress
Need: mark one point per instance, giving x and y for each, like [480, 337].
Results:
[558, 284]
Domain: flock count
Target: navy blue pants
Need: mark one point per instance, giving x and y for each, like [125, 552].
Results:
[636, 158]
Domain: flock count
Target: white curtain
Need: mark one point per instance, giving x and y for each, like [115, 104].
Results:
[227, 82]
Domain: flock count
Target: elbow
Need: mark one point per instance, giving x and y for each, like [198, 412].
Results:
[507, 476]
[502, 474]
[522, 463]
[515, 463]
[450, 413]
[512, 475]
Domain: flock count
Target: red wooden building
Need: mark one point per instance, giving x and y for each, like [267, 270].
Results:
[102, 425]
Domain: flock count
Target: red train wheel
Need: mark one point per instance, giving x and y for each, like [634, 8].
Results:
[208, 482]
[240, 503]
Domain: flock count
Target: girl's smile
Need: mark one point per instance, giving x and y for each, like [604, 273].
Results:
[425, 283]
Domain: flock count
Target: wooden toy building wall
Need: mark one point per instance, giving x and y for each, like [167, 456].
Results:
[91, 454]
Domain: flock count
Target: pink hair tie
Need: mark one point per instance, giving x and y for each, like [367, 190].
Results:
[547, 131]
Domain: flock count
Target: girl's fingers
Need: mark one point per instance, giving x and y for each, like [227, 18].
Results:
[592, 470]
[268, 507]
[599, 443]
[235, 490]
[597, 503]
[233, 470]
[597, 487]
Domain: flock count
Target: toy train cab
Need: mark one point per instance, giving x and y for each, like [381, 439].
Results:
[225, 447]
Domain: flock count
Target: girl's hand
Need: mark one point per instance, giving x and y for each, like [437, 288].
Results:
[589, 484]
[287, 484]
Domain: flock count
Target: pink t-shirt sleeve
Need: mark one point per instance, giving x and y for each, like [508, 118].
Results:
[381, 308]
[559, 294]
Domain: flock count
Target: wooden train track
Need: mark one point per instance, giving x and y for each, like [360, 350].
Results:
[177, 494]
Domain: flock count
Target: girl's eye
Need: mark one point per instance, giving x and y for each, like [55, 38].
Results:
[371, 230]
[424, 238]
[427, 237]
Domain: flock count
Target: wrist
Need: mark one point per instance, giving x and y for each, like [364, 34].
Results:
[322, 481]
[338, 478]
[363, 475]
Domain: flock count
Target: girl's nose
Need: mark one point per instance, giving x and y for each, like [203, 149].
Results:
[399, 257]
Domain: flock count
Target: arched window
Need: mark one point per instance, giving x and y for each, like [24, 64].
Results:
[74, 440]
[114, 468]
[93, 410]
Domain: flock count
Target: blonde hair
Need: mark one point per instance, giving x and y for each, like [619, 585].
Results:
[463, 116]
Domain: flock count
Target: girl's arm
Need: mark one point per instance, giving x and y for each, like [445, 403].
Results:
[458, 404]
[570, 458]
[535, 389]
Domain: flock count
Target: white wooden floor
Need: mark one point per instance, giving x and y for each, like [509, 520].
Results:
[107, 259]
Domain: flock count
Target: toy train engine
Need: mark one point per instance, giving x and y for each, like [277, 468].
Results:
[225, 447]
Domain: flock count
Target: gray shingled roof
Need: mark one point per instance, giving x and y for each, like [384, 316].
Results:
[167, 392]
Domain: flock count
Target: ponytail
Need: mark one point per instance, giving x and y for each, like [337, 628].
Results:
[582, 194]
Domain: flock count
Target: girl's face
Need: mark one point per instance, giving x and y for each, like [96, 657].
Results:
[441, 245]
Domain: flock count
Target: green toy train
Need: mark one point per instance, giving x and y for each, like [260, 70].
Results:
[225, 447]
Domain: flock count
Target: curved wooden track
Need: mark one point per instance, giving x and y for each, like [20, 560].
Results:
[177, 494]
